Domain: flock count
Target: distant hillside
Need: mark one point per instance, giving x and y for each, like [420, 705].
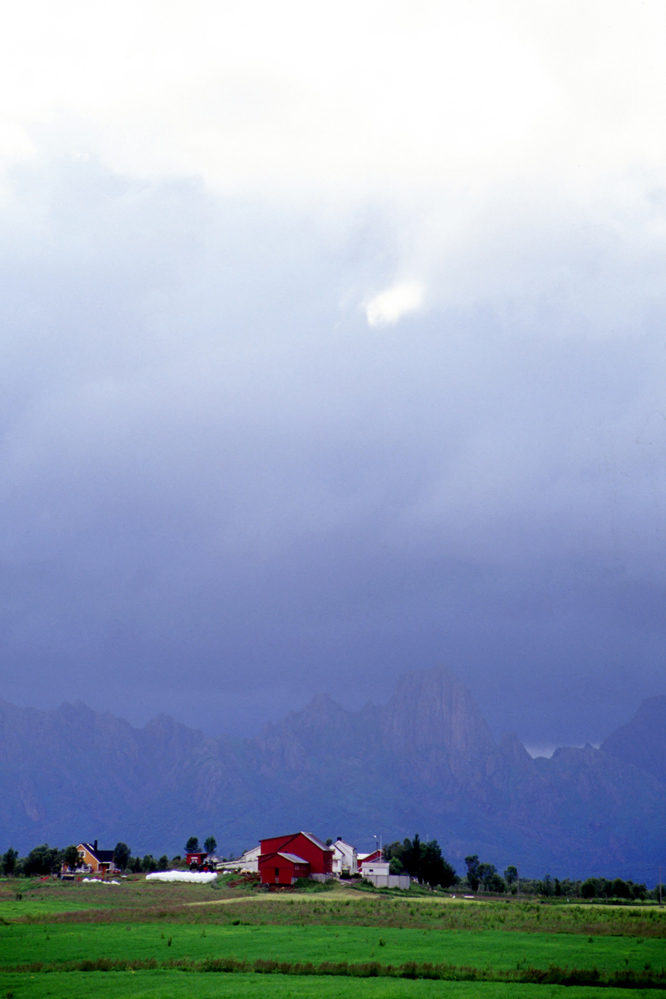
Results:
[425, 762]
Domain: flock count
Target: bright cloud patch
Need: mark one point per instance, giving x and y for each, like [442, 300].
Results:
[391, 305]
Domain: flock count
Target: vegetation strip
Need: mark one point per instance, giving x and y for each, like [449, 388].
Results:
[368, 910]
[552, 975]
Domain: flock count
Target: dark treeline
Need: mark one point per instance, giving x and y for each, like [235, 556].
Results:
[424, 861]
[44, 860]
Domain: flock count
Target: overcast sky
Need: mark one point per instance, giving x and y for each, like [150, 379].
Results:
[334, 346]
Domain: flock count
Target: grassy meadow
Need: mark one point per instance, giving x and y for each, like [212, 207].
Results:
[140, 938]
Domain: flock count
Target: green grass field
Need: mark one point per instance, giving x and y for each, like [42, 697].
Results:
[179, 985]
[141, 938]
[21, 944]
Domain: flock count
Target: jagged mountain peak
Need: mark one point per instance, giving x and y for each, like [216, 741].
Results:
[432, 708]
[642, 741]
[514, 749]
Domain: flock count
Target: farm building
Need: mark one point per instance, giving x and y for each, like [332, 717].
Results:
[345, 858]
[197, 858]
[283, 859]
[96, 861]
[369, 858]
[283, 868]
[247, 864]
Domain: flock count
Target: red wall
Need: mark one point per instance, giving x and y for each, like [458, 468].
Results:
[320, 861]
[287, 870]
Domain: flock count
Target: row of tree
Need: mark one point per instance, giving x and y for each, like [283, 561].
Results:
[192, 845]
[424, 861]
[487, 878]
[44, 859]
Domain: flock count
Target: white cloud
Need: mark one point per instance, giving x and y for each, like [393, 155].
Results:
[374, 98]
[392, 304]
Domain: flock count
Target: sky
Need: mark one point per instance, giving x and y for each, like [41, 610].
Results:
[333, 346]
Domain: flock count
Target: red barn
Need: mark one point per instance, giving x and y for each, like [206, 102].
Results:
[298, 855]
[196, 859]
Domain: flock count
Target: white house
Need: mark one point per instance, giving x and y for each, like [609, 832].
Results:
[344, 858]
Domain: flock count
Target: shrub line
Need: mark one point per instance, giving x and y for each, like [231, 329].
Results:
[553, 975]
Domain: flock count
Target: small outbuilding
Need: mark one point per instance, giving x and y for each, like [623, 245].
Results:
[369, 858]
[196, 859]
[282, 868]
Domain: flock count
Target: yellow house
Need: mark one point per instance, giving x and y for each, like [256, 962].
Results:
[94, 860]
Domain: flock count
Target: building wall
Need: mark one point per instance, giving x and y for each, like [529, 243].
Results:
[344, 858]
[389, 880]
[248, 863]
[278, 870]
[377, 868]
[86, 857]
[320, 861]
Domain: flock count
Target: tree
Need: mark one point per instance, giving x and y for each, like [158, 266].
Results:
[511, 876]
[495, 884]
[435, 870]
[192, 845]
[9, 860]
[473, 865]
[412, 856]
[485, 873]
[620, 888]
[546, 886]
[40, 861]
[71, 857]
[209, 844]
[121, 855]
[163, 863]
[423, 861]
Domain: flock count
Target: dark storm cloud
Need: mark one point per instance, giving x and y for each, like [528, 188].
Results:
[222, 492]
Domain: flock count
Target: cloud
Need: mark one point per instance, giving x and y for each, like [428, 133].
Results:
[210, 469]
[389, 306]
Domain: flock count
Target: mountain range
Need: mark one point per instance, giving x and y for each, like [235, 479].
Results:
[424, 762]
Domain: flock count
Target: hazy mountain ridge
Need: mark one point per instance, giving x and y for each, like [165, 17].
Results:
[642, 741]
[425, 761]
